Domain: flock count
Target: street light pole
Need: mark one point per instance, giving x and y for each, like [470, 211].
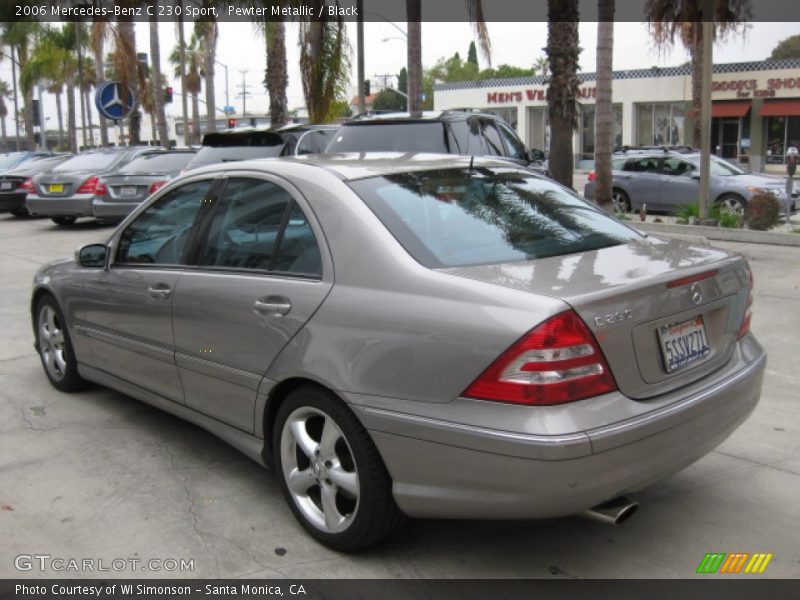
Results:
[16, 96]
[227, 97]
[244, 92]
[705, 109]
[362, 101]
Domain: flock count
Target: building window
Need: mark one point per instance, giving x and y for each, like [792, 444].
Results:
[660, 124]
[782, 133]
[588, 129]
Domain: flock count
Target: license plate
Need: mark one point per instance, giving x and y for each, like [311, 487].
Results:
[683, 343]
[6, 185]
[127, 191]
[56, 188]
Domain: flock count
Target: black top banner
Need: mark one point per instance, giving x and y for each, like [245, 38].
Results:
[366, 10]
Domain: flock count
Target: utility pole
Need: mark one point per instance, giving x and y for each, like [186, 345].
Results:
[362, 105]
[705, 108]
[385, 77]
[16, 96]
[244, 93]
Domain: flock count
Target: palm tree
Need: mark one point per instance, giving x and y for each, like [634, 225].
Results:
[683, 19]
[126, 66]
[541, 66]
[158, 97]
[562, 53]
[5, 92]
[603, 113]
[276, 76]
[182, 65]
[56, 89]
[325, 57]
[207, 33]
[20, 35]
[193, 54]
[98, 33]
[88, 81]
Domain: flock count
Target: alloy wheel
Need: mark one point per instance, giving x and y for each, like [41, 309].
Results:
[52, 343]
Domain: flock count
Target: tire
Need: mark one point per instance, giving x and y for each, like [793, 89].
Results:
[620, 201]
[55, 347]
[731, 204]
[341, 492]
[64, 221]
[20, 212]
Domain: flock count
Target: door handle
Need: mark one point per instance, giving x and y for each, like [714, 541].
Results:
[159, 291]
[276, 306]
[625, 176]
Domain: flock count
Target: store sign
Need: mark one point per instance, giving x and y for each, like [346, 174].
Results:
[533, 95]
[752, 88]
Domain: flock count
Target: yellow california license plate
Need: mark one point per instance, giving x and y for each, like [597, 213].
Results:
[56, 188]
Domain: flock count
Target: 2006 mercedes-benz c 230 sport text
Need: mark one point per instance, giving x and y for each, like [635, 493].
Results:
[423, 336]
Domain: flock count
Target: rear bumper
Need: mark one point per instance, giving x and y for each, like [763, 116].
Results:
[451, 470]
[76, 206]
[112, 210]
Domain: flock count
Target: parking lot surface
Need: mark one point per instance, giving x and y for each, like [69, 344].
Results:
[100, 476]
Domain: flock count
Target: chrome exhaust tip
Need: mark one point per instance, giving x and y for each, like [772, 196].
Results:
[612, 512]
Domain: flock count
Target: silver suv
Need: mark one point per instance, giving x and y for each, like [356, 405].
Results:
[665, 179]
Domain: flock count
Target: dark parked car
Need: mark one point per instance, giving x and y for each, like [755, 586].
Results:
[17, 184]
[11, 160]
[119, 193]
[65, 192]
[665, 179]
[465, 132]
[432, 336]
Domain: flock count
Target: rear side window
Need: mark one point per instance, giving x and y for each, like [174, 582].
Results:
[458, 217]
[166, 162]
[516, 148]
[97, 161]
[315, 141]
[208, 155]
[298, 252]
[494, 145]
[646, 164]
[390, 137]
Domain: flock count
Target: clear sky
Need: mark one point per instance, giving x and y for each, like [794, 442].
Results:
[241, 48]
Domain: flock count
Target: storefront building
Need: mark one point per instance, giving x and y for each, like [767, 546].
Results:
[755, 109]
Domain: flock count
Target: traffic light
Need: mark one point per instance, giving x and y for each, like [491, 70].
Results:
[366, 87]
[231, 123]
[168, 95]
[37, 119]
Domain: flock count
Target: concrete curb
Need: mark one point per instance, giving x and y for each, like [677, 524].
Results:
[720, 233]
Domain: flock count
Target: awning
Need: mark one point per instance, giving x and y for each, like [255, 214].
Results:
[730, 108]
[780, 108]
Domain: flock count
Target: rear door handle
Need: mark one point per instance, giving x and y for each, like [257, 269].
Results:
[276, 306]
[159, 291]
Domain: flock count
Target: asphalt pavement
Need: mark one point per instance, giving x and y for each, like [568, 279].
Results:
[97, 475]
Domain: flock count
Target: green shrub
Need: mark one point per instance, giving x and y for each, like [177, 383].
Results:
[728, 220]
[762, 212]
[687, 211]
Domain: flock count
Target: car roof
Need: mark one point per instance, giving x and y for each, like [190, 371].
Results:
[452, 114]
[359, 165]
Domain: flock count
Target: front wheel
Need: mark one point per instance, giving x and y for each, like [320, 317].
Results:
[331, 473]
[64, 221]
[55, 347]
[731, 205]
[620, 201]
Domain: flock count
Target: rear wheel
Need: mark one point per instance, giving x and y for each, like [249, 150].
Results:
[64, 221]
[620, 200]
[55, 347]
[731, 204]
[20, 211]
[331, 473]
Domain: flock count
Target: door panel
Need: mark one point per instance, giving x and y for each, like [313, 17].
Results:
[641, 178]
[678, 187]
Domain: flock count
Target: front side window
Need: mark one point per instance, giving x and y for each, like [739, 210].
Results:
[678, 167]
[494, 145]
[159, 235]
[646, 164]
[461, 217]
[244, 232]
[315, 141]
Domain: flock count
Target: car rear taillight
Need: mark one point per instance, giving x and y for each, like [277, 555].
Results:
[27, 186]
[557, 362]
[592, 175]
[748, 308]
[100, 189]
[88, 187]
[156, 186]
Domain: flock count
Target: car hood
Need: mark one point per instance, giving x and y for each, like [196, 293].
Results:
[757, 180]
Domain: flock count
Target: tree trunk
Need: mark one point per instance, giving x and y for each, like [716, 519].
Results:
[209, 54]
[89, 120]
[3, 133]
[16, 98]
[79, 48]
[603, 116]
[160, 117]
[414, 58]
[71, 124]
[100, 69]
[27, 98]
[182, 61]
[277, 77]
[696, 52]
[60, 112]
[128, 35]
[195, 117]
[562, 53]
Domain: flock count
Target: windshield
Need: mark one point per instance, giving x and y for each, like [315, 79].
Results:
[724, 168]
[166, 162]
[458, 217]
[96, 161]
[208, 155]
[9, 160]
[390, 137]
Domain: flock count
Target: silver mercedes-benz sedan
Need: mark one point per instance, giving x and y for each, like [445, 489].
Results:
[400, 335]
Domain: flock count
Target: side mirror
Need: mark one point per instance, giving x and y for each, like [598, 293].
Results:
[537, 155]
[695, 174]
[92, 256]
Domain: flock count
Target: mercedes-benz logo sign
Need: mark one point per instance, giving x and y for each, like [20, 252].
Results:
[697, 295]
[111, 101]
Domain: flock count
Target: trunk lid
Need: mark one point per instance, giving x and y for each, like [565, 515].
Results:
[640, 297]
[131, 188]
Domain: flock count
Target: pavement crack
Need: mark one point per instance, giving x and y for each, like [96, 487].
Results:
[755, 462]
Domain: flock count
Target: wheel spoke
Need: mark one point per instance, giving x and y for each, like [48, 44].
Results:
[301, 481]
[306, 443]
[327, 443]
[51, 320]
[332, 516]
[346, 480]
[61, 363]
[49, 360]
[57, 337]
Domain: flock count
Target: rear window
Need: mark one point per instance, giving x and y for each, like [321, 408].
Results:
[458, 217]
[390, 137]
[208, 155]
[98, 161]
[9, 160]
[168, 162]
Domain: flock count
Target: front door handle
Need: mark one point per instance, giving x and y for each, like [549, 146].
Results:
[276, 306]
[159, 291]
